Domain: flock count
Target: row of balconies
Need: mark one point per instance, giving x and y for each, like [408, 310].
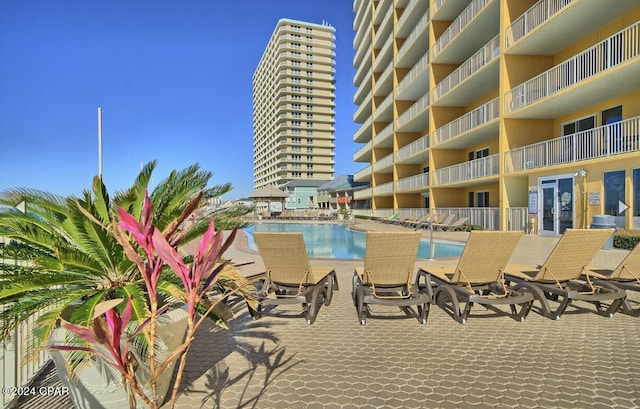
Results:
[613, 139]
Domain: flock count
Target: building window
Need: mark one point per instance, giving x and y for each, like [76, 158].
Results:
[309, 116]
[480, 153]
[309, 141]
[479, 199]
[296, 157]
[309, 174]
[296, 174]
[295, 123]
[309, 166]
[296, 140]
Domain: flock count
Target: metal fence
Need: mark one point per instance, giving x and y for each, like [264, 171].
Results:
[15, 369]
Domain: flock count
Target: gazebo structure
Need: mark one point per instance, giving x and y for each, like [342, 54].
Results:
[268, 199]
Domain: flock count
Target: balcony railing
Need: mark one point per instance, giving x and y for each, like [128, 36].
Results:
[467, 15]
[487, 217]
[487, 53]
[415, 72]
[477, 117]
[362, 194]
[383, 163]
[414, 110]
[473, 169]
[617, 49]
[612, 139]
[532, 18]
[413, 148]
[15, 369]
[383, 189]
[517, 218]
[415, 33]
[413, 182]
[383, 136]
[363, 174]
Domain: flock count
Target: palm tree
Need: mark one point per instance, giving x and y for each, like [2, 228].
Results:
[69, 260]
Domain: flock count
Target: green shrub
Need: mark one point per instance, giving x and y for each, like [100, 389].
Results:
[470, 227]
[626, 239]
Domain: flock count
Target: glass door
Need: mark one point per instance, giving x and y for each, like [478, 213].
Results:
[556, 211]
[549, 208]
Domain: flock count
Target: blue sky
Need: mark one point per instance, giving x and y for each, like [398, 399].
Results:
[173, 79]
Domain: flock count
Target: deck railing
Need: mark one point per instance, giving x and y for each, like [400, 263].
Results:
[383, 189]
[415, 109]
[415, 147]
[413, 182]
[481, 58]
[420, 27]
[517, 218]
[617, 49]
[473, 169]
[15, 369]
[467, 15]
[487, 217]
[468, 121]
[612, 139]
[532, 18]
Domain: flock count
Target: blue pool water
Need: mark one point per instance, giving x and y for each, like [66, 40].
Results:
[336, 241]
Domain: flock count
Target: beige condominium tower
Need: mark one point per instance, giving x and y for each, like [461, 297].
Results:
[294, 105]
[517, 114]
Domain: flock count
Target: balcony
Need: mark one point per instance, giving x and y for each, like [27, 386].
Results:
[477, 126]
[608, 140]
[410, 16]
[608, 69]
[416, 118]
[363, 134]
[487, 217]
[416, 44]
[415, 152]
[476, 25]
[416, 82]
[362, 194]
[447, 10]
[384, 112]
[467, 171]
[363, 154]
[384, 165]
[385, 189]
[384, 138]
[384, 57]
[551, 26]
[479, 74]
[363, 175]
[363, 110]
[413, 183]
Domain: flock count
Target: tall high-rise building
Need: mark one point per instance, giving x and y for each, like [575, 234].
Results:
[517, 114]
[294, 105]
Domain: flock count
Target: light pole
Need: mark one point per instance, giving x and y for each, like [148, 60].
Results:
[100, 142]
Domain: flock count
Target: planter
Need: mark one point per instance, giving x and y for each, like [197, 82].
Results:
[99, 386]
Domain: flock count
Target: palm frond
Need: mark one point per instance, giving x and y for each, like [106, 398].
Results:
[132, 199]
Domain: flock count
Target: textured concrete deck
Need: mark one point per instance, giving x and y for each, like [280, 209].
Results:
[581, 361]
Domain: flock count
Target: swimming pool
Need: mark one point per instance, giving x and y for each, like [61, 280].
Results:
[336, 241]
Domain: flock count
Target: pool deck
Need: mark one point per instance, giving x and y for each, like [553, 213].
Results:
[582, 360]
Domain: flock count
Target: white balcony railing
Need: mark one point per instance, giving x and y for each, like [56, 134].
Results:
[517, 218]
[617, 49]
[415, 33]
[532, 18]
[487, 217]
[415, 72]
[415, 147]
[414, 110]
[413, 182]
[473, 169]
[383, 163]
[363, 174]
[384, 136]
[383, 189]
[477, 117]
[487, 53]
[467, 15]
[612, 139]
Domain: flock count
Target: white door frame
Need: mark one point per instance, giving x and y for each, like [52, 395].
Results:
[547, 182]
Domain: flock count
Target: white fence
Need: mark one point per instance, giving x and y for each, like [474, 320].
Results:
[612, 139]
[15, 369]
[532, 18]
[413, 182]
[617, 49]
[468, 121]
[472, 169]
[467, 15]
